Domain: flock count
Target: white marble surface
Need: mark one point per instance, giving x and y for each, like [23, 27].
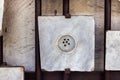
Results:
[113, 50]
[19, 38]
[11, 73]
[81, 28]
[1, 15]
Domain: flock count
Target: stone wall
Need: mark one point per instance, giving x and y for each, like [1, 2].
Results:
[18, 27]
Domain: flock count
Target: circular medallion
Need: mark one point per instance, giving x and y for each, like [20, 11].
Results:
[66, 43]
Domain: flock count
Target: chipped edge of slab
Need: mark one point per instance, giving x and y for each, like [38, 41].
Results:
[21, 69]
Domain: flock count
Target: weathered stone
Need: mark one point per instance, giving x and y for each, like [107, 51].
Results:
[113, 50]
[77, 53]
[19, 33]
[11, 73]
[77, 7]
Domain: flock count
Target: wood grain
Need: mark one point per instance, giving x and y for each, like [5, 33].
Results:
[115, 15]
[49, 7]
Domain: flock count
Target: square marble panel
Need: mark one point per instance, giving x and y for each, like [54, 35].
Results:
[67, 43]
[113, 50]
[11, 73]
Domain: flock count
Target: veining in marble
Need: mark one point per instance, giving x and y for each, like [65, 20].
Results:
[81, 28]
[19, 39]
[11, 73]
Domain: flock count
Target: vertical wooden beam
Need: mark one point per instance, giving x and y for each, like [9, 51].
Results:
[37, 49]
[107, 15]
[65, 7]
[66, 11]
[107, 27]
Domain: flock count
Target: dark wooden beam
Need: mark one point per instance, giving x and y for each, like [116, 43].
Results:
[29, 75]
[107, 27]
[37, 49]
[107, 15]
[65, 7]
[66, 11]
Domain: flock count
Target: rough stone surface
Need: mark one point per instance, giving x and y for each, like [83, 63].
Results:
[81, 28]
[89, 7]
[113, 50]
[12, 73]
[19, 33]
[77, 7]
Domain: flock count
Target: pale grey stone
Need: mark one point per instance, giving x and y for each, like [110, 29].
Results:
[19, 38]
[1, 15]
[80, 58]
[113, 50]
[13, 73]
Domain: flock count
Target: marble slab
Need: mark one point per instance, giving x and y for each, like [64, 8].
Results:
[19, 34]
[11, 73]
[113, 50]
[1, 15]
[76, 53]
